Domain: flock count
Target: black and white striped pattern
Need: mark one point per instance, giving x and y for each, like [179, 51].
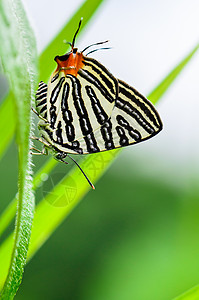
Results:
[93, 112]
[133, 119]
[41, 99]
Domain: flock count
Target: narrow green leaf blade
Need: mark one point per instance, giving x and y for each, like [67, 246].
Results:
[7, 111]
[57, 47]
[8, 215]
[169, 79]
[192, 294]
[19, 59]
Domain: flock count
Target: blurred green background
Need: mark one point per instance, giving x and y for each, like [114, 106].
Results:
[137, 236]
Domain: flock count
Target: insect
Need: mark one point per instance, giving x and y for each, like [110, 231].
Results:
[84, 109]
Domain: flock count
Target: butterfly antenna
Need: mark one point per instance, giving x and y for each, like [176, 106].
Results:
[96, 44]
[73, 42]
[82, 172]
[106, 48]
[66, 43]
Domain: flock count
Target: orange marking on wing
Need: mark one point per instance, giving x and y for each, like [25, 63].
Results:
[71, 65]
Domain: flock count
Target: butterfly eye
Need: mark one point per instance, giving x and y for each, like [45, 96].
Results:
[62, 57]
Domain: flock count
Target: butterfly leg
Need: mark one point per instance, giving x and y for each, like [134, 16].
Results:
[39, 116]
[41, 141]
[44, 151]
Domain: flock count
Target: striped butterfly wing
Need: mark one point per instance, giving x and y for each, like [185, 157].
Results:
[133, 120]
[41, 99]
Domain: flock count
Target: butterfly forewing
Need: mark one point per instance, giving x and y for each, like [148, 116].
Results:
[97, 75]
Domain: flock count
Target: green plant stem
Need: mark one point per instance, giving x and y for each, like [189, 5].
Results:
[169, 79]
[19, 60]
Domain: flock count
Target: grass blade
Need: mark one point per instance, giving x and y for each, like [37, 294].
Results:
[169, 79]
[19, 59]
[57, 47]
[192, 294]
[7, 111]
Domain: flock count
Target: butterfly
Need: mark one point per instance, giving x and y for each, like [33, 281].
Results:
[84, 109]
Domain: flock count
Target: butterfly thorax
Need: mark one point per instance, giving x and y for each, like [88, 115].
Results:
[70, 63]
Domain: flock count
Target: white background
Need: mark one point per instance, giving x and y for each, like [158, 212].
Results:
[148, 38]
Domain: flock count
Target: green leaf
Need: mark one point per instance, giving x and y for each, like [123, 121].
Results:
[7, 112]
[19, 59]
[192, 294]
[57, 47]
[169, 79]
[48, 208]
